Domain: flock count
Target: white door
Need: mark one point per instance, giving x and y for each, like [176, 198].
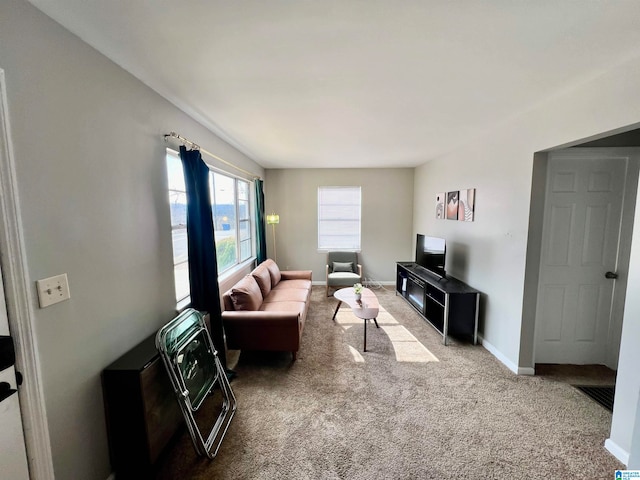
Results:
[581, 234]
[13, 456]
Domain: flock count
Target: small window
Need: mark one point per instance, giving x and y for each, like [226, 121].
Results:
[339, 215]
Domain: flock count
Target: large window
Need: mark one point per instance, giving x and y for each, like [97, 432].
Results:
[339, 218]
[231, 213]
[178, 203]
[231, 221]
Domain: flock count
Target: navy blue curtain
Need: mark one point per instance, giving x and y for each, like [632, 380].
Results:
[203, 265]
[261, 240]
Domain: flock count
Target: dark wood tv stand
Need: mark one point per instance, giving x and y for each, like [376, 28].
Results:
[448, 304]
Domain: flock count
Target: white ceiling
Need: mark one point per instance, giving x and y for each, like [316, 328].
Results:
[355, 83]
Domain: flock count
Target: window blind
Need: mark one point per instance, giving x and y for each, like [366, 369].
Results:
[339, 215]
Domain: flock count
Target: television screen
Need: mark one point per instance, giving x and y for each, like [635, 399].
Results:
[431, 253]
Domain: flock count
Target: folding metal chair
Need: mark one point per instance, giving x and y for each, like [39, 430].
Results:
[197, 376]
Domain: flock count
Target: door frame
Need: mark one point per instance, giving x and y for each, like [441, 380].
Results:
[624, 230]
[534, 250]
[20, 301]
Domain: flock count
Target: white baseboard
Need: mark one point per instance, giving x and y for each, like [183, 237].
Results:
[615, 450]
[508, 363]
[526, 371]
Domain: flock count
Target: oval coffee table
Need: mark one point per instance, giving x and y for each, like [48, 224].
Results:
[367, 308]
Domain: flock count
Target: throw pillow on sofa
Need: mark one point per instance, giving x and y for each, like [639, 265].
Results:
[246, 294]
[274, 270]
[263, 278]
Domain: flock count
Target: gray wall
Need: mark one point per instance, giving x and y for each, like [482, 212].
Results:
[90, 166]
[490, 253]
[387, 197]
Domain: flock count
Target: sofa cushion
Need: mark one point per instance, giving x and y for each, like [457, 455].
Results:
[263, 278]
[296, 275]
[286, 284]
[342, 267]
[343, 279]
[274, 271]
[288, 295]
[246, 294]
[297, 307]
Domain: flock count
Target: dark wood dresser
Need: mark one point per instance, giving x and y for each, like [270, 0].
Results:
[141, 410]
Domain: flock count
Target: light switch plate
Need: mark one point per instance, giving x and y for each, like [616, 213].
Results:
[53, 290]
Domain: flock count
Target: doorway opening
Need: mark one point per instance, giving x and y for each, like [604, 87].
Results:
[601, 373]
[595, 381]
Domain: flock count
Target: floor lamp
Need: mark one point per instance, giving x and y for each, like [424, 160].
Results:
[272, 220]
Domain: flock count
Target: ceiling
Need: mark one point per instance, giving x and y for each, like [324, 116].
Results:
[355, 83]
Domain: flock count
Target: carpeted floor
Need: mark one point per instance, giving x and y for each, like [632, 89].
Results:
[408, 408]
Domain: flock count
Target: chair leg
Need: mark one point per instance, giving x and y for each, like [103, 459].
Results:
[327, 289]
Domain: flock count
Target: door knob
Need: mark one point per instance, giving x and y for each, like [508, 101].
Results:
[611, 275]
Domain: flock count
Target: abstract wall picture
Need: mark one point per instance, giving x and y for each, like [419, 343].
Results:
[452, 205]
[440, 206]
[466, 204]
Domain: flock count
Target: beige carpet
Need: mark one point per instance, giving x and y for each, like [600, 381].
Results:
[408, 408]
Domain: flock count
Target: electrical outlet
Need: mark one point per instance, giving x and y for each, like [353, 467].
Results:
[53, 290]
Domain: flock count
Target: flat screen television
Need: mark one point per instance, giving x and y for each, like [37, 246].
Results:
[431, 254]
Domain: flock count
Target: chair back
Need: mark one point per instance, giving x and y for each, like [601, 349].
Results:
[342, 257]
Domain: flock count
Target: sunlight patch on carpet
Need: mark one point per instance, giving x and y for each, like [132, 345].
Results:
[357, 356]
[407, 348]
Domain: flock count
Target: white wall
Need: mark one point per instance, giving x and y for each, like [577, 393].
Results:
[634, 456]
[91, 178]
[628, 380]
[493, 248]
[387, 196]
[487, 253]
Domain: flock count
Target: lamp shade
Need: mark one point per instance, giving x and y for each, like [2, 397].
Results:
[273, 218]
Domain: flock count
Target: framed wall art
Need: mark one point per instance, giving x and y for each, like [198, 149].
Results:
[466, 204]
[440, 205]
[457, 205]
[452, 205]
